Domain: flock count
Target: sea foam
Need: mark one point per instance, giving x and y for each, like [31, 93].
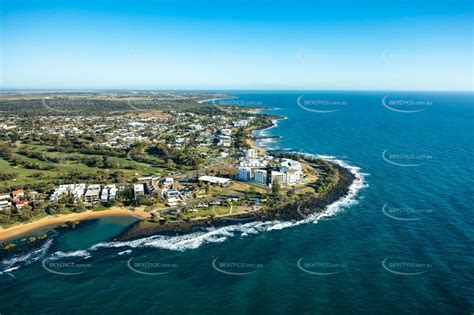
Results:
[18, 261]
[221, 234]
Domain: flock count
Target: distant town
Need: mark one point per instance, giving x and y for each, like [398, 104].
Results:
[175, 156]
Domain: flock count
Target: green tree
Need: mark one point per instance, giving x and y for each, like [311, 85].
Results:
[276, 188]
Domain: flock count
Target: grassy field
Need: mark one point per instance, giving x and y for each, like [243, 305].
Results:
[33, 176]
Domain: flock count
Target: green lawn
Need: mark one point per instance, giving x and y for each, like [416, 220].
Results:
[26, 176]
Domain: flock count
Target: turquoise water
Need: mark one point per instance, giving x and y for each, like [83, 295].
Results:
[403, 244]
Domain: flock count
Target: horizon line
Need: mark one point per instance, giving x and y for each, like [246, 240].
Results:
[7, 90]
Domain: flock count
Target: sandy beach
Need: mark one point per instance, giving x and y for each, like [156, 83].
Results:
[253, 144]
[214, 99]
[51, 221]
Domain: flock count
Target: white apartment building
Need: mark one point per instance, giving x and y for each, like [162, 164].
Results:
[112, 192]
[78, 191]
[288, 164]
[5, 197]
[292, 170]
[138, 190]
[104, 195]
[250, 154]
[279, 176]
[224, 141]
[260, 177]
[4, 204]
[292, 176]
[226, 132]
[245, 173]
[168, 182]
[92, 194]
[61, 191]
[256, 163]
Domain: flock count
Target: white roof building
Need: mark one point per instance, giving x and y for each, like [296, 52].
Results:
[138, 190]
[4, 204]
[250, 154]
[168, 182]
[112, 192]
[5, 197]
[78, 191]
[104, 196]
[92, 193]
[292, 176]
[279, 176]
[256, 163]
[226, 131]
[168, 193]
[61, 191]
[288, 164]
[215, 180]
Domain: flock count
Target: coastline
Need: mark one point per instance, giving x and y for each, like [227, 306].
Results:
[52, 221]
[304, 211]
[287, 213]
[253, 143]
[15, 231]
[143, 227]
[214, 99]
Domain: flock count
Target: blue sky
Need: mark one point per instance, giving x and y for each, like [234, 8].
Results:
[237, 44]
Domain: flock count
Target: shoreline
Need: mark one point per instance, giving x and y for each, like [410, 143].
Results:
[214, 99]
[286, 213]
[253, 143]
[343, 189]
[13, 232]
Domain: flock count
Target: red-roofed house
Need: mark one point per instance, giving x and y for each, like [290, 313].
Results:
[18, 194]
[20, 203]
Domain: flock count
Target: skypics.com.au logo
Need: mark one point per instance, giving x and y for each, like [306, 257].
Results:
[319, 268]
[405, 159]
[319, 105]
[235, 268]
[405, 105]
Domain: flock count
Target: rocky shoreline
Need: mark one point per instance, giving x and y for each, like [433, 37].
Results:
[290, 212]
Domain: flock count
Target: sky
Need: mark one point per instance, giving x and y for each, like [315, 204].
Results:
[237, 44]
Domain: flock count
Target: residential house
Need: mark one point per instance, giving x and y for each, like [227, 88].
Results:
[20, 203]
[5, 204]
[18, 193]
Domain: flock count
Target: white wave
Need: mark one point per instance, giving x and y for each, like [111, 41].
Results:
[219, 235]
[77, 253]
[125, 252]
[275, 123]
[324, 157]
[25, 259]
[192, 240]
[9, 270]
[349, 199]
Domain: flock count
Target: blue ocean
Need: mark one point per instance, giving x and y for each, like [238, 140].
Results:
[401, 242]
